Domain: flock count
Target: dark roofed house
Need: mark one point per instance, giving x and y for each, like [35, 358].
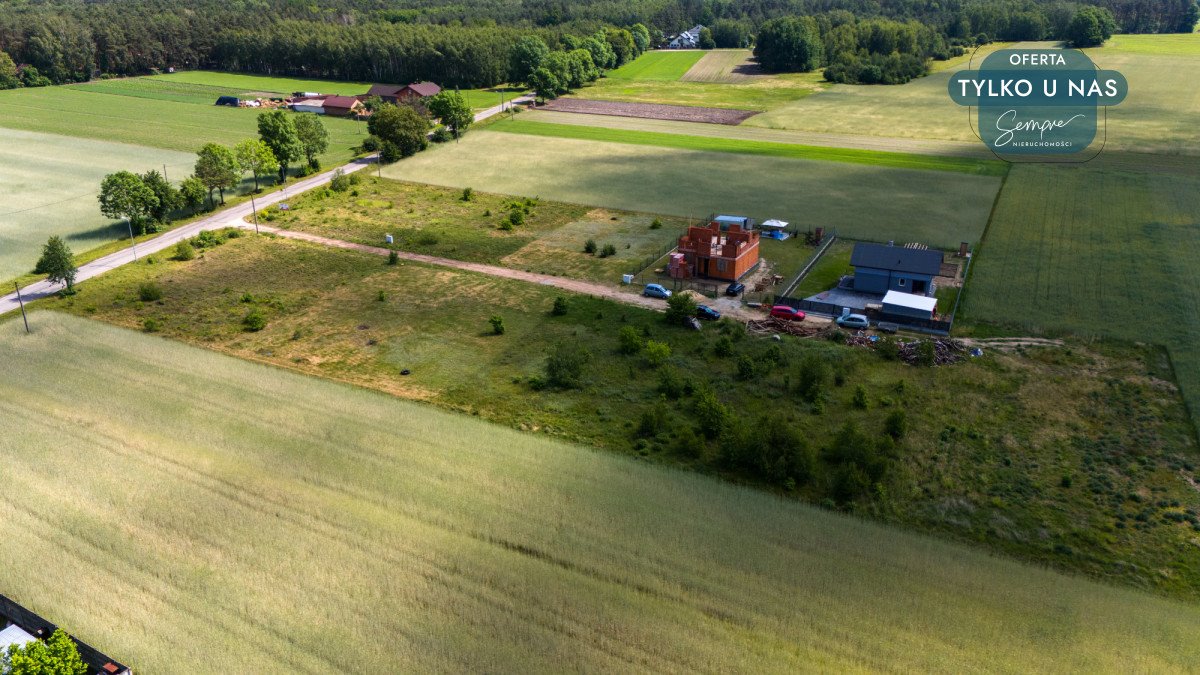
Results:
[394, 93]
[879, 268]
[342, 106]
[21, 626]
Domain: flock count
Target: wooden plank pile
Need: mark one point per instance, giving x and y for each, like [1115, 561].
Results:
[771, 325]
[945, 350]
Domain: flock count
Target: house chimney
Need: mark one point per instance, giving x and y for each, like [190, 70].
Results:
[962, 250]
[892, 243]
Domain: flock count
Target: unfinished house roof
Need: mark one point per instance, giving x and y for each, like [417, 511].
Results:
[896, 258]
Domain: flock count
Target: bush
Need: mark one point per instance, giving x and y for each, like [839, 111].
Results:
[382, 297]
[656, 224]
[342, 181]
[589, 247]
[713, 415]
[926, 353]
[516, 217]
[629, 340]
[150, 325]
[150, 292]
[565, 366]
[671, 384]
[441, 135]
[887, 349]
[497, 325]
[468, 194]
[813, 377]
[860, 398]
[393, 258]
[254, 320]
[389, 152]
[656, 353]
[184, 251]
[723, 347]
[896, 424]
[608, 250]
[680, 308]
[560, 307]
[745, 368]
[370, 144]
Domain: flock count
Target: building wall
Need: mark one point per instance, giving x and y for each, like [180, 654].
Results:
[872, 280]
[897, 310]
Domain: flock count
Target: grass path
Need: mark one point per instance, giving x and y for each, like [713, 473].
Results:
[662, 65]
[254, 520]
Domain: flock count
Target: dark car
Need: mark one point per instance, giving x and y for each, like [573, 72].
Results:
[787, 313]
[735, 289]
[707, 313]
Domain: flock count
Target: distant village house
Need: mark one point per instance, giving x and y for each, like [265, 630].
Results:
[396, 94]
[689, 39]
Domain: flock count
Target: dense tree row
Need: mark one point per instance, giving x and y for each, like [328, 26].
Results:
[469, 44]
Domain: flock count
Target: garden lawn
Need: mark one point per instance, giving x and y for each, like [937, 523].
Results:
[1096, 252]
[50, 184]
[986, 446]
[661, 65]
[170, 125]
[978, 167]
[863, 201]
[254, 520]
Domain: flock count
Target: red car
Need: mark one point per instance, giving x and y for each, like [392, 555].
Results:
[788, 313]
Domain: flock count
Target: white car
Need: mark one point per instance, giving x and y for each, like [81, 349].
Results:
[853, 321]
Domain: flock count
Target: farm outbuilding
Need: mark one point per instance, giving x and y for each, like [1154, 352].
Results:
[312, 105]
[879, 268]
[343, 106]
[907, 305]
[394, 93]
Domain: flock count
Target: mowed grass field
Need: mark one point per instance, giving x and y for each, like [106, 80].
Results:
[50, 183]
[729, 66]
[978, 167]
[1094, 251]
[246, 85]
[151, 122]
[217, 515]
[863, 201]
[1157, 116]
[666, 65]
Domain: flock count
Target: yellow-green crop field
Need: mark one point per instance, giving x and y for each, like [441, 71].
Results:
[187, 511]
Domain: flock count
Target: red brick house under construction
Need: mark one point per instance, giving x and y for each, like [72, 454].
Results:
[710, 251]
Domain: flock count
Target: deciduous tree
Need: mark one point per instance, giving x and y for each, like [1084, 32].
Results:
[452, 109]
[400, 126]
[124, 195]
[255, 156]
[789, 44]
[314, 139]
[192, 191]
[278, 131]
[56, 656]
[217, 168]
[58, 263]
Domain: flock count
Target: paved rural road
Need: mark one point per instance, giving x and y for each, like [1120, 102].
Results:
[230, 217]
[573, 285]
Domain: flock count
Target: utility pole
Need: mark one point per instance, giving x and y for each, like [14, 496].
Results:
[165, 174]
[21, 302]
[132, 241]
[254, 210]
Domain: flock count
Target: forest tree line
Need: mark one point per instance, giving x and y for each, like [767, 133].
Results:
[470, 44]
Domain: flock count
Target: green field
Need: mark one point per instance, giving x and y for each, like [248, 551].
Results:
[662, 65]
[170, 125]
[436, 221]
[50, 185]
[203, 86]
[253, 520]
[982, 461]
[1096, 252]
[1156, 117]
[977, 167]
[729, 66]
[936, 207]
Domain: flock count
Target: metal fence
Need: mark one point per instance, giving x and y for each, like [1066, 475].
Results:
[812, 261]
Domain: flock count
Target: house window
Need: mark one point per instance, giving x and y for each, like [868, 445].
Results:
[720, 265]
[902, 282]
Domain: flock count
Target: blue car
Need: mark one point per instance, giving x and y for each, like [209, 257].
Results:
[707, 313]
[656, 291]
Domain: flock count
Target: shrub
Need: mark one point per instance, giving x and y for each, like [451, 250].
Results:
[671, 384]
[382, 297]
[589, 247]
[712, 414]
[254, 320]
[723, 346]
[516, 217]
[560, 307]
[468, 194]
[680, 308]
[656, 224]
[370, 144]
[497, 325]
[896, 424]
[745, 368]
[343, 181]
[441, 135]
[608, 250]
[565, 366]
[629, 340]
[652, 421]
[656, 353]
[393, 258]
[860, 398]
[150, 292]
[389, 152]
[150, 325]
[247, 297]
[887, 349]
[926, 353]
[184, 251]
[813, 378]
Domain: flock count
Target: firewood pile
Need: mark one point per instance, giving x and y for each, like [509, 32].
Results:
[945, 350]
[772, 325]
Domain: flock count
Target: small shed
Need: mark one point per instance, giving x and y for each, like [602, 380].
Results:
[908, 305]
[742, 222]
[342, 106]
[231, 101]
